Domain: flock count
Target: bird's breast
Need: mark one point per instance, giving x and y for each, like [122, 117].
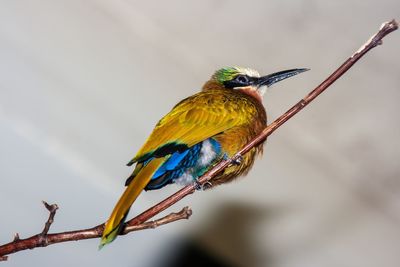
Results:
[252, 92]
[237, 137]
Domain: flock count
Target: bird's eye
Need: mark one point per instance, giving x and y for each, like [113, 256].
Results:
[239, 81]
[242, 79]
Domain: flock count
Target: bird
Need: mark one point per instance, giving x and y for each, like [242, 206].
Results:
[197, 133]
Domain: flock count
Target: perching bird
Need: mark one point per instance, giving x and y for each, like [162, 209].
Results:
[197, 133]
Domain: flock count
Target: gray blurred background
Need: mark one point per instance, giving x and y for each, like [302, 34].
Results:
[82, 83]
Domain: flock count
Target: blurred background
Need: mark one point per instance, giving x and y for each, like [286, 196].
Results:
[82, 83]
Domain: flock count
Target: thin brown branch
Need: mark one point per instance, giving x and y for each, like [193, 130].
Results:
[52, 212]
[44, 239]
[139, 222]
[185, 213]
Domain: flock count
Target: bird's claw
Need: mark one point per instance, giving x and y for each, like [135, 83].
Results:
[197, 185]
[201, 187]
[237, 160]
[207, 185]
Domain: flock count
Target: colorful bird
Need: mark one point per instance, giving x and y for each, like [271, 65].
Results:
[197, 133]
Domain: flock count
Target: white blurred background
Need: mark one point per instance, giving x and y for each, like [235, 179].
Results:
[82, 83]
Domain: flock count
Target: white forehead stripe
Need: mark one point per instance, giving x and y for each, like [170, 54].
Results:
[249, 72]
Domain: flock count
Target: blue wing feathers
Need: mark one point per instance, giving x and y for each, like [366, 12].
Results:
[174, 167]
[171, 163]
[179, 162]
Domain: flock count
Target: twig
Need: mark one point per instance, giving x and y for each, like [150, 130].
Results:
[44, 239]
[16, 237]
[185, 213]
[139, 222]
[42, 236]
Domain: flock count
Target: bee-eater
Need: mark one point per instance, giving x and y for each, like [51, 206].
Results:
[197, 133]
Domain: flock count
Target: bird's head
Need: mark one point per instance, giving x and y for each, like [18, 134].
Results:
[248, 80]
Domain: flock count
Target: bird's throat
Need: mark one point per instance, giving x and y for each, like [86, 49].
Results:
[251, 92]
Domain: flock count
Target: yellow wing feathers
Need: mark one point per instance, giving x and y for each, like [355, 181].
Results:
[197, 118]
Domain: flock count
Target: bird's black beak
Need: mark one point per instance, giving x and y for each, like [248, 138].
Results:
[270, 79]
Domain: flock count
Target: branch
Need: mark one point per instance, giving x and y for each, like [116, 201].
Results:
[139, 222]
[44, 239]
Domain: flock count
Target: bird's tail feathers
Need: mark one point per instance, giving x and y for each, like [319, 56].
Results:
[115, 222]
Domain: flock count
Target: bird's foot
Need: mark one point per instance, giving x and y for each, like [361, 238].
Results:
[197, 185]
[201, 187]
[237, 160]
[207, 185]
